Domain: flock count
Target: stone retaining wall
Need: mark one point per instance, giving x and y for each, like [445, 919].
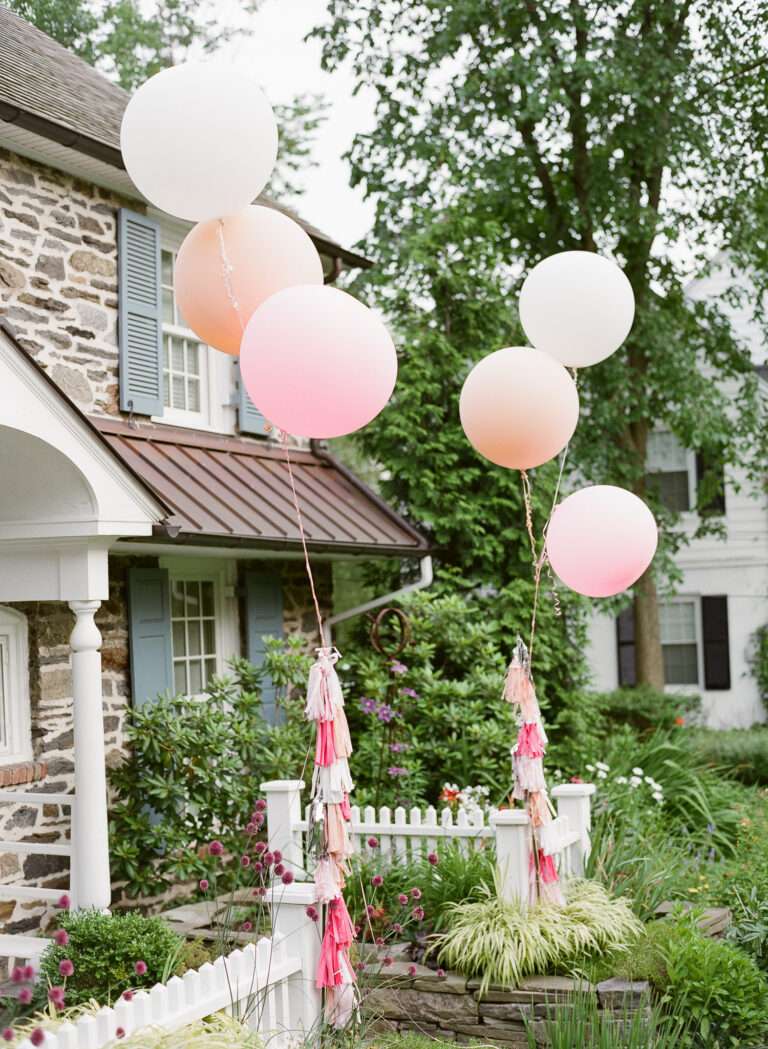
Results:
[404, 998]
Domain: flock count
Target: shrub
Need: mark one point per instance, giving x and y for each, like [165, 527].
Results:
[750, 928]
[215, 1032]
[104, 950]
[584, 1025]
[759, 662]
[501, 942]
[742, 753]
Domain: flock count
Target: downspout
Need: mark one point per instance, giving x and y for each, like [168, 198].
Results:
[424, 580]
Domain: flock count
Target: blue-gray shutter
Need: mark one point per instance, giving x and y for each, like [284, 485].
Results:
[249, 418]
[149, 617]
[140, 323]
[264, 617]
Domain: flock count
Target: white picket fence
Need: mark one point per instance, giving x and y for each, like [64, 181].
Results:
[257, 984]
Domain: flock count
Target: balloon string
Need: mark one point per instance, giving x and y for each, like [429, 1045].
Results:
[540, 559]
[302, 535]
[227, 269]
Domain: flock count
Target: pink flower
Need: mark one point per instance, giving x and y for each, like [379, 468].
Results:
[204, 885]
[29, 972]
[312, 913]
[66, 968]
[258, 819]
[25, 996]
[433, 858]
[128, 995]
[216, 848]
[376, 881]
[370, 911]
[245, 861]
[279, 868]
[258, 866]
[411, 970]
[246, 926]
[415, 894]
[259, 847]
[397, 927]
[64, 902]
[251, 828]
[260, 805]
[61, 937]
[402, 899]
[287, 878]
[388, 960]
[278, 856]
[379, 941]
[269, 858]
[17, 975]
[441, 974]
[8, 1034]
[418, 914]
[38, 1036]
[120, 1032]
[373, 843]
[140, 968]
[56, 996]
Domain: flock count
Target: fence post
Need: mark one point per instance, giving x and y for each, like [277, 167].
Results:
[283, 798]
[574, 800]
[300, 936]
[513, 849]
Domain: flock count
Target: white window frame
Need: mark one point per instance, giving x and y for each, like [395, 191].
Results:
[14, 667]
[223, 575]
[695, 600]
[690, 465]
[217, 380]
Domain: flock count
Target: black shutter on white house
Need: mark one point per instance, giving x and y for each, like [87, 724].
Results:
[714, 631]
[140, 324]
[625, 646]
[249, 418]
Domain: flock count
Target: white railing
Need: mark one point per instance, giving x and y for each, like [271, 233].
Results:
[257, 984]
[35, 848]
[413, 832]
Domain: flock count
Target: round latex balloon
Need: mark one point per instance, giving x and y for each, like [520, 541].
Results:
[199, 140]
[577, 306]
[519, 407]
[601, 539]
[227, 267]
[316, 362]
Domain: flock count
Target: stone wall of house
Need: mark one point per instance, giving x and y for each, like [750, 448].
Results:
[58, 276]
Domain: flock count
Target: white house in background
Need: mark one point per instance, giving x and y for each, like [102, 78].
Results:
[708, 627]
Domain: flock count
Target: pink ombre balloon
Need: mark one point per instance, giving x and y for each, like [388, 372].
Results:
[227, 267]
[316, 362]
[519, 407]
[601, 539]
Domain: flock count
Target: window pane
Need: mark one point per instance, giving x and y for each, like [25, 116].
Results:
[680, 665]
[195, 676]
[179, 318]
[210, 670]
[180, 677]
[673, 490]
[207, 588]
[209, 636]
[179, 640]
[193, 395]
[166, 258]
[166, 355]
[167, 306]
[665, 453]
[193, 636]
[193, 599]
[177, 355]
[177, 600]
[193, 358]
[678, 622]
[3, 692]
[178, 396]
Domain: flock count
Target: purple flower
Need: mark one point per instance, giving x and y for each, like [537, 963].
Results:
[64, 902]
[216, 848]
[312, 913]
[373, 843]
[415, 893]
[25, 995]
[66, 968]
[204, 883]
[411, 970]
[61, 937]
[432, 859]
[368, 706]
[398, 748]
[397, 770]
[140, 968]
[38, 1035]
[377, 881]
[260, 805]
[402, 899]
[418, 914]
[409, 692]
[56, 997]
[398, 668]
[386, 713]
[8, 1034]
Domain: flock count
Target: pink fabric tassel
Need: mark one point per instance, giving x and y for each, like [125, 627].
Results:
[529, 741]
[529, 705]
[329, 972]
[547, 869]
[538, 809]
[333, 969]
[342, 739]
[336, 836]
[341, 1001]
[327, 880]
[529, 773]
[550, 892]
[325, 745]
[339, 919]
[346, 808]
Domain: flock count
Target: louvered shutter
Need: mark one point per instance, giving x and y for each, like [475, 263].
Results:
[264, 617]
[140, 323]
[714, 631]
[249, 418]
[625, 647]
[149, 616]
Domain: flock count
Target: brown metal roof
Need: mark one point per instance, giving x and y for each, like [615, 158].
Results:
[231, 491]
[52, 92]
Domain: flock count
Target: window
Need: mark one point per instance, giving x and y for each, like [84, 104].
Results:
[679, 642]
[15, 736]
[185, 358]
[193, 626]
[669, 470]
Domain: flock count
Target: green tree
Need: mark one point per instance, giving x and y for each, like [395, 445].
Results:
[507, 130]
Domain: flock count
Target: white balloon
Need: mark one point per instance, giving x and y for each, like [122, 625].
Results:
[199, 140]
[577, 306]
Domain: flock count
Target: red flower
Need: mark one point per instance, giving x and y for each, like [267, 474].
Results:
[679, 721]
[373, 843]
[38, 1036]
[120, 1032]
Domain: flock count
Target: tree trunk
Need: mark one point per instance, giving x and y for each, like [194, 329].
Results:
[649, 661]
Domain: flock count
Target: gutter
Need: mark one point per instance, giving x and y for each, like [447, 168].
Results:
[424, 580]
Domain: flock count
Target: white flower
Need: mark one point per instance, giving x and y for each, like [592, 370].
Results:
[590, 768]
[621, 779]
[658, 796]
[649, 780]
[601, 774]
[637, 772]
[635, 781]
[602, 766]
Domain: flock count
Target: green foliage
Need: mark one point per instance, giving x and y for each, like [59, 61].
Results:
[501, 942]
[215, 1032]
[191, 768]
[104, 949]
[742, 753]
[716, 986]
[583, 1024]
[759, 661]
[750, 928]
[442, 696]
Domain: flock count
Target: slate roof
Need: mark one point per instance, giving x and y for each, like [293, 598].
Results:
[53, 93]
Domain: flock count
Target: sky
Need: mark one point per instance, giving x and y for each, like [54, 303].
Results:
[287, 66]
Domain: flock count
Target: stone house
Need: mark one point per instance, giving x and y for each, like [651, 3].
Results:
[148, 533]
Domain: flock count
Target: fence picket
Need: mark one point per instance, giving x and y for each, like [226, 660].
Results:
[430, 819]
[462, 823]
[385, 840]
[370, 819]
[66, 1037]
[401, 849]
[417, 843]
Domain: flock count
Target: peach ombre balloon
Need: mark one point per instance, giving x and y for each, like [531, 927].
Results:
[601, 539]
[519, 407]
[227, 267]
[316, 362]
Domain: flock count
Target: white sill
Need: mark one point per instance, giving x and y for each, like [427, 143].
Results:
[187, 420]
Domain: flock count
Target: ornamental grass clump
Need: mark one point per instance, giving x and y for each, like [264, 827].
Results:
[215, 1032]
[501, 942]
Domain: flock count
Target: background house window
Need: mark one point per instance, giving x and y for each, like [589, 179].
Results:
[669, 471]
[679, 642]
[193, 631]
[185, 358]
[15, 736]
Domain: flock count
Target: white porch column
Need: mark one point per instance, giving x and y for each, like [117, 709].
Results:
[91, 885]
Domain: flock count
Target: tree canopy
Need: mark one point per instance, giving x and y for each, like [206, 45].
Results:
[507, 130]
